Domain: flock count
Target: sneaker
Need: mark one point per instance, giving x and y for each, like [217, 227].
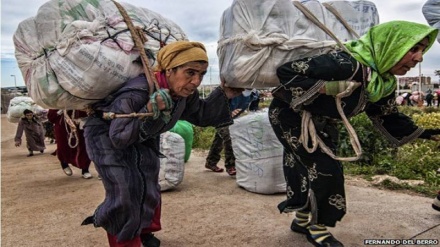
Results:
[87, 175]
[213, 168]
[68, 171]
[436, 202]
[231, 171]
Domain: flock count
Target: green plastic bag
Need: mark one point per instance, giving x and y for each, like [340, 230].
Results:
[186, 131]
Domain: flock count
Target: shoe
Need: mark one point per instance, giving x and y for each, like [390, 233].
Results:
[41, 151]
[299, 229]
[214, 168]
[327, 242]
[231, 171]
[30, 154]
[87, 175]
[68, 171]
[149, 240]
[436, 202]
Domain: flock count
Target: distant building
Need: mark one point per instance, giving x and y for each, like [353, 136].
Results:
[412, 83]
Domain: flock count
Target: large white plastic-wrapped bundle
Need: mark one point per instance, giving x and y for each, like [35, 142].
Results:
[256, 37]
[18, 104]
[431, 11]
[172, 168]
[258, 154]
[76, 52]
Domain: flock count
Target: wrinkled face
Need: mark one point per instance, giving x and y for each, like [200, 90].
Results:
[29, 116]
[185, 79]
[411, 58]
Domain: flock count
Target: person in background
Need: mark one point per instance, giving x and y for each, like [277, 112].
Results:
[49, 131]
[255, 100]
[222, 138]
[437, 96]
[125, 150]
[34, 132]
[71, 147]
[305, 111]
[429, 97]
[407, 99]
[436, 202]
[431, 11]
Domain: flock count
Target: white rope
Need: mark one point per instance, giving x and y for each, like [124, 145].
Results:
[309, 130]
[71, 129]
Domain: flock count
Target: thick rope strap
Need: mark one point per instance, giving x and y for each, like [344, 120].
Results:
[71, 129]
[164, 114]
[309, 131]
[318, 23]
[136, 34]
[341, 19]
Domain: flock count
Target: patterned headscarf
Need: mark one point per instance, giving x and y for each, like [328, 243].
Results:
[382, 47]
[178, 53]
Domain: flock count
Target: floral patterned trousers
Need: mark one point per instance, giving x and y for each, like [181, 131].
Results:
[315, 181]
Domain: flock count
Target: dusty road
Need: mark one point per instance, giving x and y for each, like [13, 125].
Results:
[42, 207]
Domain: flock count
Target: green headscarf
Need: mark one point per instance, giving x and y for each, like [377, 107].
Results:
[382, 47]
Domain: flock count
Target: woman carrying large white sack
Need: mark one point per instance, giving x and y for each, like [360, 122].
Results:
[125, 150]
[365, 72]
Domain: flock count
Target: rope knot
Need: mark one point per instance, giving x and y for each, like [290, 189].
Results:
[165, 114]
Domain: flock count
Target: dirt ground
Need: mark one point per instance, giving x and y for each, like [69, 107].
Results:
[40, 206]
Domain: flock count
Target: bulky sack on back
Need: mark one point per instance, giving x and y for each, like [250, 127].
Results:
[172, 167]
[76, 52]
[256, 37]
[258, 154]
[431, 11]
[18, 104]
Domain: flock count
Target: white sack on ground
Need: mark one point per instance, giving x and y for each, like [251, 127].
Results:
[431, 11]
[76, 52]
[258, 153]
[172, 167]
[18, 104]
[256, 37]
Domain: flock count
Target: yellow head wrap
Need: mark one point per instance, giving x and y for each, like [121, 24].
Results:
[178, 53]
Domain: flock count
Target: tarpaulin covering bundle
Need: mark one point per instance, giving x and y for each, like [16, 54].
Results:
[258, 154]
[172, 166]
[256, 37]
[76, 52]
[431, 11]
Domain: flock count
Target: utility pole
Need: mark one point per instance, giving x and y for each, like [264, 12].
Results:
[420, 77]
[15, 81]
[420, 103]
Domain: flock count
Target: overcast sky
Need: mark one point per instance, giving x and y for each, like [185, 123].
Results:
[200, 19]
